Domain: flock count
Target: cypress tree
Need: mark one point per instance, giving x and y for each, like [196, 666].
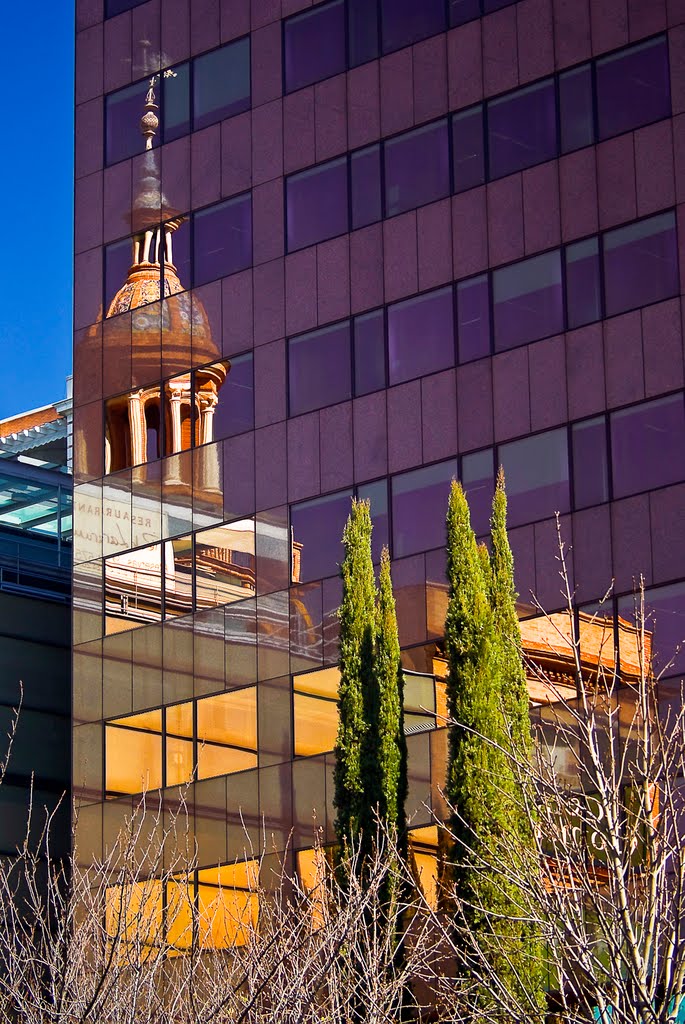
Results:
[356, 660]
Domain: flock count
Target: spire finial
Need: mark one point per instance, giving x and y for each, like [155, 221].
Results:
[149, 122]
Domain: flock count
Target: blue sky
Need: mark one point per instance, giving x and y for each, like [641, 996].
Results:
[36, 183]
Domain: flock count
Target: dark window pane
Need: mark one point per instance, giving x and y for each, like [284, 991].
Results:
[590, 467]
[369, 352]
[648, 445]
[416, 168]
[640, 263]
[633, 88]
[176, 105]
[365, 184]
[467, 148]
[234, 409]
[222, 239]
[221, 83]
[362, 27]
[181, 259]
[522, 129]
[314, 45]
[462, 11]
[406, 21]
[664, 629]
[113, 7]
[317, 528]
[319, 366]
[496, 5]
[536, 472]
[575, 113]
[419, 507]
[527, 300]
[478, 481]
[377, 494]
[123, 111]
[117, 264]
[317, 204]
[583, 286]
[421, 335]
[473, 318]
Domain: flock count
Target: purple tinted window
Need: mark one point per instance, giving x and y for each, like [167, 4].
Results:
[317, 204]
[468, 148]
[648, 445]
[320, 368]
[362, 30]
[633, 88]
[234, 411]
[113, 7]
[117, 264]
[123, 111]
[527, 300]
[462, 11]
[419, 507]
[473, 318]
[314, 45]
[665, 625]
[421, 335]
[496, 5]
[417, 168]
[406, 21]
[365, 186]
[575, 109]
[478, 481]
[590, 466]
[176, 103]
[318, 527]
[536, 472]
[522, 129]
[377, 495]
[222, 239]
[221, 83]
[583, 286]
[369, 352]
[640, 263]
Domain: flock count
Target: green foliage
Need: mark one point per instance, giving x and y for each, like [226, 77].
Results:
[371, 757]
[488, 703]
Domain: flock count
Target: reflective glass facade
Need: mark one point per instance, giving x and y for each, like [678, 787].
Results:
[372, 246]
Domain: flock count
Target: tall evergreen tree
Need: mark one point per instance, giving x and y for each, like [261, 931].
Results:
[356, 659]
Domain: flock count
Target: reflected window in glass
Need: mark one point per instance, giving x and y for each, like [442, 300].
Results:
[640, 263]
[178, 576]
[527, 301]
[473, 318]
[317, 528]
[133, 753]
[225, 564]
[576, 115]
[317, 204]
[365, 186]
[421, 335]
[222, 239]
[234, 409]
[648, 445]
[319, 368]
[227, 733]
[362, 31]
[315, 709]
[405, 22]
[583, 283]
[221, 83]
[419, 506]
[369, 352]
[522, 129]
[478, 481]
[537, 476]
[376, 494]
[123, 111]
[468, 148]
[176, 102]
[118, 257]
[314, 45]
[590, 463]
[133, 589]
[417, 168]
[633, 87]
